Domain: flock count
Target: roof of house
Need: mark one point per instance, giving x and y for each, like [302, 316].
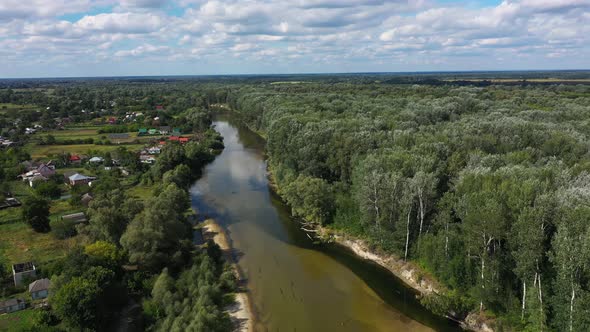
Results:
[39, 285]
[96, 159]
[38, 177]
[22, 267]
[142, 130]
[45, 168]
[173, 138]
[10, 302]
[86, 198]
[76, 217]
[183, 139]
[74, 157]
[78, 177]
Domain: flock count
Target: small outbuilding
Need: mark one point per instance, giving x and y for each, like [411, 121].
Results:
[23, 271]
[12, 305]
[39, 289]
[86, 199]
[76, 218]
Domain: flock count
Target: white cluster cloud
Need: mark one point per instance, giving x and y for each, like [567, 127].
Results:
[292, 35]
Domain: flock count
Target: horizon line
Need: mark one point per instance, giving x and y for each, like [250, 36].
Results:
[302, 73]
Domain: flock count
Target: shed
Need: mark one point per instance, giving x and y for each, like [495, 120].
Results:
[39, 289]
[12, 305]
[22, 271]
[86, 199]
[76, 218]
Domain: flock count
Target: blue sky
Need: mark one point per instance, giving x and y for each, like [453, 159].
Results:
[48, 38]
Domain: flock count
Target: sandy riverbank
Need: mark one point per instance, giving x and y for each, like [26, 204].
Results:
[240, 311]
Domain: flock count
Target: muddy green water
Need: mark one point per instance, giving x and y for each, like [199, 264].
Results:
[295, 285]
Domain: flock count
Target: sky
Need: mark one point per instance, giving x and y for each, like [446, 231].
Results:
[60, 38]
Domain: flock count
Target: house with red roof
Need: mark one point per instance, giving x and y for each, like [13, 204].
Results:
[75, 159]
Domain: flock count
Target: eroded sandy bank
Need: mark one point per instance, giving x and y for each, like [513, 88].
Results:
[240, 312]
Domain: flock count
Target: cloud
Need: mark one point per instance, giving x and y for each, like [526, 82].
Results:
[143, 3]
[18, 9]
[300, 35]
[143, 50]
[121, 23]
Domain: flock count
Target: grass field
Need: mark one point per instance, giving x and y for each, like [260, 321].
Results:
[41, 151]
[142, 192]
[19, 243]
[17, 321]
[6, 107]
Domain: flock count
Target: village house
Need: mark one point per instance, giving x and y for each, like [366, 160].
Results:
[154, 150]
[164, 130]
[12, 305]
[75, 159]
[152, 132]
[77, 179]
[42, 173]
[39, 289]
[142, 132]
[96, 160]
[23, 271]
[146, 159]
[5, 143]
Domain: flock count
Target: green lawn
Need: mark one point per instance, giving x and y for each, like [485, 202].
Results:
[43, 151]
[17, 321]
[19, 243]
[74, 133]
[6, 107]
[142, 192]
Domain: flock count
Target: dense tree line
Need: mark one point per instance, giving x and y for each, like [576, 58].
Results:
[486, 188]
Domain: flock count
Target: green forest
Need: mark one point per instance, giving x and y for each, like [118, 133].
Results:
[487, 188]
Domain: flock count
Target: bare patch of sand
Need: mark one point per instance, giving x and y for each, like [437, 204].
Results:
[240, 311]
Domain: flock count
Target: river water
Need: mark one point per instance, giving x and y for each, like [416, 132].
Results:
[294, 284]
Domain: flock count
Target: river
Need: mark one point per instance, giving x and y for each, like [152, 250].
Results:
[295, 285]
